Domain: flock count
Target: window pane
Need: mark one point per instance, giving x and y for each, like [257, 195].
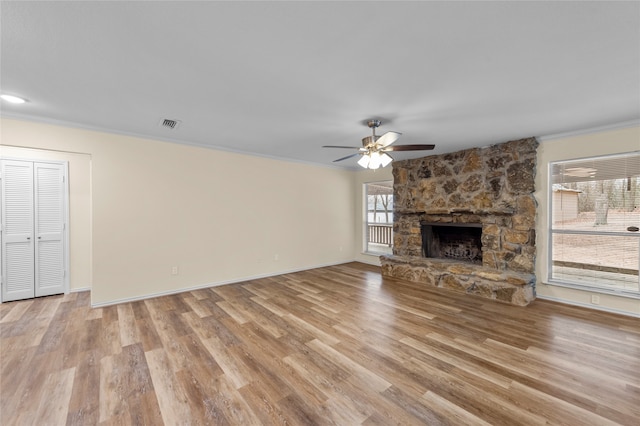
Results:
[601, 194]
[605, 206]
[379, 217]
[596, 260]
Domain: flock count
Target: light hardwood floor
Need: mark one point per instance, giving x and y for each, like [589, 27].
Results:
[336, 345]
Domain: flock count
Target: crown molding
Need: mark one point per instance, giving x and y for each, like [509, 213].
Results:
[81, 126]
[590, 130]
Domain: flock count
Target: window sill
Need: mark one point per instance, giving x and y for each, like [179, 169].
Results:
[631, 294]
[375, 253]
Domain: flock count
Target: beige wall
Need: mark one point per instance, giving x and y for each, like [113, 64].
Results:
[139, 207]
[218, 216]
[361, 177]
[79, 207]
[594, 144]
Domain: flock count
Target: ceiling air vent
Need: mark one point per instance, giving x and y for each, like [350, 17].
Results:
[170, 124]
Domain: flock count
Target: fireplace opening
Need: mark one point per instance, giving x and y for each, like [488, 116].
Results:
[459, 241]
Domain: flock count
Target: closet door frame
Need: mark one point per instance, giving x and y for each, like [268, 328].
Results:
[65, 232]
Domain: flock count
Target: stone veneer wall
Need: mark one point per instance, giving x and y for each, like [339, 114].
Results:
[493, 186]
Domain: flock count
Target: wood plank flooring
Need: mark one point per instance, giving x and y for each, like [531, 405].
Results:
[329, 346]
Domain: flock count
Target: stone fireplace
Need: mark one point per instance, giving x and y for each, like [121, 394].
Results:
[466, 221]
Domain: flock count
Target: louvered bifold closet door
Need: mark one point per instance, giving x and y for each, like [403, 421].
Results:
[17, 230]
[49, 228]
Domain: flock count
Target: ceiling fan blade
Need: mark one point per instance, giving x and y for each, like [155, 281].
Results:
[388, 138]
[408, 147]
[340, 146]
[344, 158]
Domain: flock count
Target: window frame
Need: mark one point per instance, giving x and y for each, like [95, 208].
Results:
[550, 279]
[365, 222]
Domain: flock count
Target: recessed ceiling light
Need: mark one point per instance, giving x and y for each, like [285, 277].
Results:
[13, 99]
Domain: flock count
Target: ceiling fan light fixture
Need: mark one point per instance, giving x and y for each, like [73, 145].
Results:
[385, 159]
[364, 161]
[375, 160]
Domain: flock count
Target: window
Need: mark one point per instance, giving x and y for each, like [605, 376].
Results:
[595, 221]
[378, 217]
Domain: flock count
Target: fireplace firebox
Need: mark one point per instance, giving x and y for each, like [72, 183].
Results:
[456, 241]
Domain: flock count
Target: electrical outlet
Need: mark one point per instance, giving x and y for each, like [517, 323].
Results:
[595, 299]
[174, 270]
[276, 257]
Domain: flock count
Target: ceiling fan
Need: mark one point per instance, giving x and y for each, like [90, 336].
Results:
[374, 148]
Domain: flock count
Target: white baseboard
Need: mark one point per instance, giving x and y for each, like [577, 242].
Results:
[589, 306]
[208, 285]
[79, 289]
[370, 258]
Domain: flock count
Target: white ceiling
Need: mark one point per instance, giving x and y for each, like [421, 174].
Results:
[282, 79]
